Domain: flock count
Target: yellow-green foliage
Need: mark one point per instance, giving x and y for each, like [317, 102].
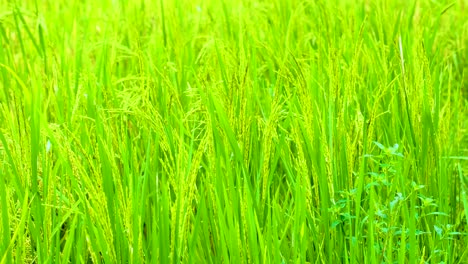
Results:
[280, 131]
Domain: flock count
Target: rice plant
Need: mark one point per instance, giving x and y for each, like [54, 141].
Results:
[242, 131]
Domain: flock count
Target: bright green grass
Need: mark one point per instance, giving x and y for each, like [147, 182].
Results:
[256, 131]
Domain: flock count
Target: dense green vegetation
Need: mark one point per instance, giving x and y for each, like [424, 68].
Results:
[233, 131]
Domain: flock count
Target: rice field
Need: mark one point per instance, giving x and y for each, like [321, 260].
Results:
[247, 131]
